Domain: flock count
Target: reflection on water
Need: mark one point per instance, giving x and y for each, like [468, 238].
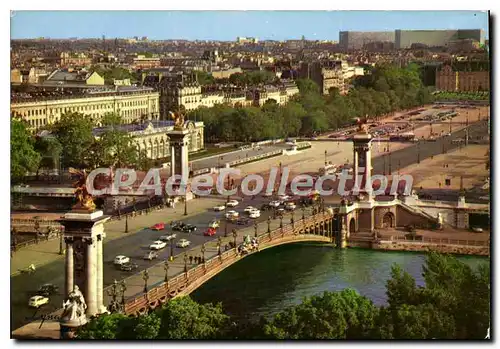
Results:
[267, 282]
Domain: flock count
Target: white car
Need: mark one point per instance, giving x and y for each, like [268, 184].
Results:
[274, 203]
[249, 209]
[283, 197]
[119, 260]
[232, 214]
[37, 301]
[254, 214]
[167, 237]
[267, 194]
[214, 224]
[477, 230]
[232, 203]
[183, 243]
[220, 207]
[158, 245]
[290, 206]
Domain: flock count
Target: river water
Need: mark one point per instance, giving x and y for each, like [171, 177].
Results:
[267, 282]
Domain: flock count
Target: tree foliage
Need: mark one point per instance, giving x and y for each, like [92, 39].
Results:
[387, 89]
[23, 156]
[453, 304]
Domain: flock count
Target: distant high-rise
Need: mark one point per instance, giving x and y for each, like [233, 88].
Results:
[350, 40]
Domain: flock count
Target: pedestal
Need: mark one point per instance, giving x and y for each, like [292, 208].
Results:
[84, 233]
[179, 158]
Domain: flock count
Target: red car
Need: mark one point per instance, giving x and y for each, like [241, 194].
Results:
[158, 226]
[210, 232]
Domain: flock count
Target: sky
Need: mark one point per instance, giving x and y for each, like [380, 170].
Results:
[227, 25]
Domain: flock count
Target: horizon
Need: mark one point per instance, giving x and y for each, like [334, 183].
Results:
[228, 25]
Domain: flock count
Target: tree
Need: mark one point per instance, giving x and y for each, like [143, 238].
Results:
[183, 318]
[307, 86]
[111, 119]
[333, 315]
[204, 78]
[116, 148]
[105, 327]
[74, 133]
[23, 156]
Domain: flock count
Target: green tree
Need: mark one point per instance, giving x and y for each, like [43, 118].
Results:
[105, 327]
[23, 156]
[74, 133]
[116, 148]
[50, 151]
[334, 315]
[307, 86]
[111, 119]
[183, 318]
[204, 78]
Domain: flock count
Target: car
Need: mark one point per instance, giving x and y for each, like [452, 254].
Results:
[232, 214]
[47, 290]
[274, 203]
[119, 260]
[183, 243]
[267, 194]
[280, 211]
[167, 237]
[188, 228]
[249, 209]
[37, 301]
[477, 230]
[158, 245]
[158, 226]
[254, 214]
[210, 232]
[242, 221]
[128, 266]
[283, 197]
[150, 255]
[215, 223]
[219, 207]
[290, 206]
[232, 203]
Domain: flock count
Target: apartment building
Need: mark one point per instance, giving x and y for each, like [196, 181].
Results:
[132, 104]
[449, 79]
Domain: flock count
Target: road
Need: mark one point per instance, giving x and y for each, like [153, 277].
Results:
[220, 160]
[136, 244]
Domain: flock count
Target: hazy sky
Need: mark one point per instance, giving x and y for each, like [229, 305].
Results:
[227, 25]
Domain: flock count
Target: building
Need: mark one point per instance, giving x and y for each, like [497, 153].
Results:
[351, 40]
[143, 62]
[452, 79]
[74, 59]
[151, 137]
[225, 73]
[132, 104]
[404, 39]
[62, 77]
[330, 74]
[244, 40]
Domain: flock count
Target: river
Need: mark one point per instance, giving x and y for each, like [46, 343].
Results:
[271, 280]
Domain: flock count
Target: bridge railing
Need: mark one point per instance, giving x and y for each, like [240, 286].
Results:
[446, 241]
[159, 291]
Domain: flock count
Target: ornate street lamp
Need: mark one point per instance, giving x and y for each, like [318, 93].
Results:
[13, 232]
[225, 228]
[113, 293]
[185, 262]
[145, 277]
[123, 288]
[235, 234]
[281, 222]
[61, 237]
[185, 201]
[303, 213]
[203, 249]
[171, 258]
[291, 220]
[326, 163]
[165, 267]
[126, 224]
[269, 224]
[255, 226]
[219, 244]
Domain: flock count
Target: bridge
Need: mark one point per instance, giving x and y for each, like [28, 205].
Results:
[319, 227]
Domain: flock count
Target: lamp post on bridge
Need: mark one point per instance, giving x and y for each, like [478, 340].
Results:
[255, 226]
[303, 212]
[185, 262]
[203, 249]
[185, 201]
[269, 225]
[235, 234]
[219, 243]
[126, 223]
[113, 293]
[165, 267]
[61, 237]
[291, 220]
[123, 288]
[145, 277]
[326, 162]
[171, 258]
[225, 228]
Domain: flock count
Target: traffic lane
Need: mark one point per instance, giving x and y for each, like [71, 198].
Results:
[137, 246]
[224, 158]
[408, 156]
